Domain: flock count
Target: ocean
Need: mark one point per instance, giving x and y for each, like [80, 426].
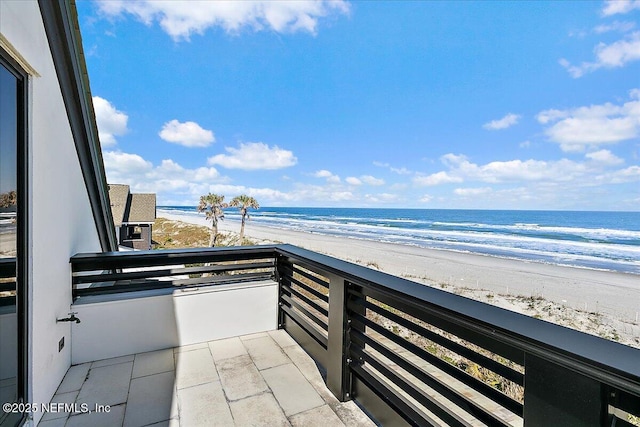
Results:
[595, 240]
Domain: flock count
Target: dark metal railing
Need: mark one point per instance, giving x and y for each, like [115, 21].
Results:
[7, 281]
[116, 272]
[407, 353]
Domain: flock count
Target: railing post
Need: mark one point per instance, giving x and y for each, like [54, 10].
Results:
[337, 344]
[555, 395]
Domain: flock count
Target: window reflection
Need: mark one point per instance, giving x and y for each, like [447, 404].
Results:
[8, 238]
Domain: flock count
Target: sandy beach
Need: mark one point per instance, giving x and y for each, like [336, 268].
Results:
[613, 297]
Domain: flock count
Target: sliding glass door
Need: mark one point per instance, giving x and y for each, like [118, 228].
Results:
[12, 242]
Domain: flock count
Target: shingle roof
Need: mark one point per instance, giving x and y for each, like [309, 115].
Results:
[132, 208]
[142, 208]
[118, 195]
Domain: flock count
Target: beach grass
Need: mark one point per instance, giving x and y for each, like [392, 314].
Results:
[169, 234]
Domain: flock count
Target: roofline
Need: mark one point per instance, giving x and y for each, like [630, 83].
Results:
[60, 19]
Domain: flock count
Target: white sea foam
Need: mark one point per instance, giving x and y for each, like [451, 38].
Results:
[602, 248]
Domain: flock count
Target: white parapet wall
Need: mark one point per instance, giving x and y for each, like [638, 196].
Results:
[136, 322]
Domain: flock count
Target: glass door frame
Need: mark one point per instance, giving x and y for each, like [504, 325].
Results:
[22, 236]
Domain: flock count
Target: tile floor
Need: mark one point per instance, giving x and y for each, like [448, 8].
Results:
[264, 379]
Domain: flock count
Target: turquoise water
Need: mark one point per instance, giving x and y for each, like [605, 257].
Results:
[597, 240]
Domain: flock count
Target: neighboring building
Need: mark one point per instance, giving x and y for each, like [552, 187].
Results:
[133, 216]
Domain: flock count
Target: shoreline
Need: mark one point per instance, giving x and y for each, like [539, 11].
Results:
[614, 294]
[614, 289]
[595, 241]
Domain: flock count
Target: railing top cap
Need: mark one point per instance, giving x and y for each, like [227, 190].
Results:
[168, 253]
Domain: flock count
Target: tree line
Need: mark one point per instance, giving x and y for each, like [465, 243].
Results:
[213, 204]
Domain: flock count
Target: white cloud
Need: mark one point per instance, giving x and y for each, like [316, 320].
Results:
[452, 160]
[180, 21]
[399, 171]
[558, 184]
[174, 183]
[604, 157]
[525, 144]
[530, 183]
[574, 71]
[382, 197]
[261, 194]
[503, 123]
[322, 174]
[511, 171]
[617, 54]
[337, 196]
[188, 134]
[630, 174]
[328, 175]
[254, 156]
[371, 180]
[470, 192]
[172, 174]
[435, 179]
[614, 7]
[552, 115]
[124, 163]
[366, 179]
[620, 26]
[111, 122]
[614, 55]
[165, 178]
[317, 194]
[579, 128]
[353, 180]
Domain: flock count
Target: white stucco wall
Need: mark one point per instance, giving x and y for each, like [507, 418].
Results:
[60, 219]
[113, 326]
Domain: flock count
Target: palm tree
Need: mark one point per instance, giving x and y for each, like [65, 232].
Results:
[212, 205]
[244, 202]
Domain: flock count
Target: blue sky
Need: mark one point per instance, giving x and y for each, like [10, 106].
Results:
[486, 105]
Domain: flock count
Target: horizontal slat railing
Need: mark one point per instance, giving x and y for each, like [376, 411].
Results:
[437, 369]
[117, 272]
[7, 282]
[417, 355]
[407, 353]
[459, 349]
[7, 267]
[304, 306]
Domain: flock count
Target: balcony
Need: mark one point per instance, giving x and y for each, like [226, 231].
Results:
[406, 354]
[258, 379]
